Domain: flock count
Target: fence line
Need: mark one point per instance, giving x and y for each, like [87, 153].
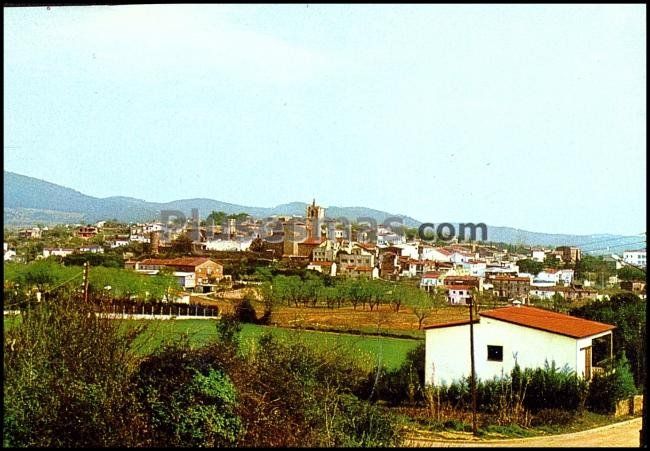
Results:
[151, 311]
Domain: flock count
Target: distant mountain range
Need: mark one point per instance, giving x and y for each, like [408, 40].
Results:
[29, 201]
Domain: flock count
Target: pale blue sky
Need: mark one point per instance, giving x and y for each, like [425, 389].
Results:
[530, 116]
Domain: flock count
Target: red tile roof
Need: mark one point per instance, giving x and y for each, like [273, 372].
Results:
[182, 261]
[546, 320]
[467, 278]
[431, 275]
[443, 251]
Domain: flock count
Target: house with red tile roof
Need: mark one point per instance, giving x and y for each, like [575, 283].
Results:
[206, 271]
[523, 335]
[430, 281]
[325, 267]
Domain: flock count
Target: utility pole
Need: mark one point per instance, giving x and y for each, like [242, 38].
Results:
[473, 377]
[86, 267]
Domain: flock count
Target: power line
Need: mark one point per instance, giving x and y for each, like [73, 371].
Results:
[63, 283]
[606, 241]
[615, 246]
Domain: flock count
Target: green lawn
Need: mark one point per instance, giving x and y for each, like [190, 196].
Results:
[389, 352]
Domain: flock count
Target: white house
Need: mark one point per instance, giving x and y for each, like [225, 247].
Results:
[555, 276]
[538, 255]
[460, 257]
[94, 249]
[185, 279]
[439, 254]
[518, 334]
[390, 238]
[430, 280]
[119, 243]
[408, 250]
[10, 254]
[637, 258]
[458, 294]
[228, 245]
[475, 268]
[324, 267]
[60, 252]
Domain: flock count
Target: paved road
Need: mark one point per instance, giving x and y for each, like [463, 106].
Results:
[623, 434]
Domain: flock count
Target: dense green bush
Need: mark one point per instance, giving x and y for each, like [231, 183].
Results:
[614, 385]
[361, 424]
[405, 383]
[536, 389]
[244, 311]
[187, 401]
[71, 380]
[628, 312]
[550, 388]
[67, 379]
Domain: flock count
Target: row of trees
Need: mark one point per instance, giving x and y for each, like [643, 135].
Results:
[314, 291]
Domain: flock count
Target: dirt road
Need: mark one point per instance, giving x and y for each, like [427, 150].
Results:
[623, 434]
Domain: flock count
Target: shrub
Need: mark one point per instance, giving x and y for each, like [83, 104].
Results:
[614, 385]
[304, 397]
[67, 379]
[361, 424]
[244, 311]
[187, 399]
[403, 384]
[551, 388]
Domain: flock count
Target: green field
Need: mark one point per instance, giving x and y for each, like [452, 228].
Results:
[388, 352]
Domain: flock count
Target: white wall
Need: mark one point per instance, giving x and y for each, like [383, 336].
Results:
[447, 354]
[538, 256]
[447, 350]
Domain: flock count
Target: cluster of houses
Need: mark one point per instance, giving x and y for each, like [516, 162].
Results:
[325, 246]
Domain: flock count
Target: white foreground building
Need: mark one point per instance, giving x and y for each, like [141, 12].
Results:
[526, 335]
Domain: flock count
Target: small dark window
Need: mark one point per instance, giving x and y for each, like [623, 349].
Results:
[495, 353]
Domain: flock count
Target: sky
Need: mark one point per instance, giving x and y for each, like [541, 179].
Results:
[528, 116]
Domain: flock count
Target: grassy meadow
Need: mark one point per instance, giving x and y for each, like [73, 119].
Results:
[372, 350]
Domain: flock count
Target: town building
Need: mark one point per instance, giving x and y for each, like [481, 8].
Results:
[205, 270]
[33, 233]
[636, 257]
[86, 232]
[508, 287]
[324, 267]
[568, 254]
[430, 281]
[503, 337]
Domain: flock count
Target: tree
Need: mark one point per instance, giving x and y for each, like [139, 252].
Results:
[424, 304]
[628, 312]
[551, 261]
[182, 244]
[65, 366]
[530, 266]
[630, 273]
[257, 245]
[398, 295]
[559, 302]
[269, 300]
